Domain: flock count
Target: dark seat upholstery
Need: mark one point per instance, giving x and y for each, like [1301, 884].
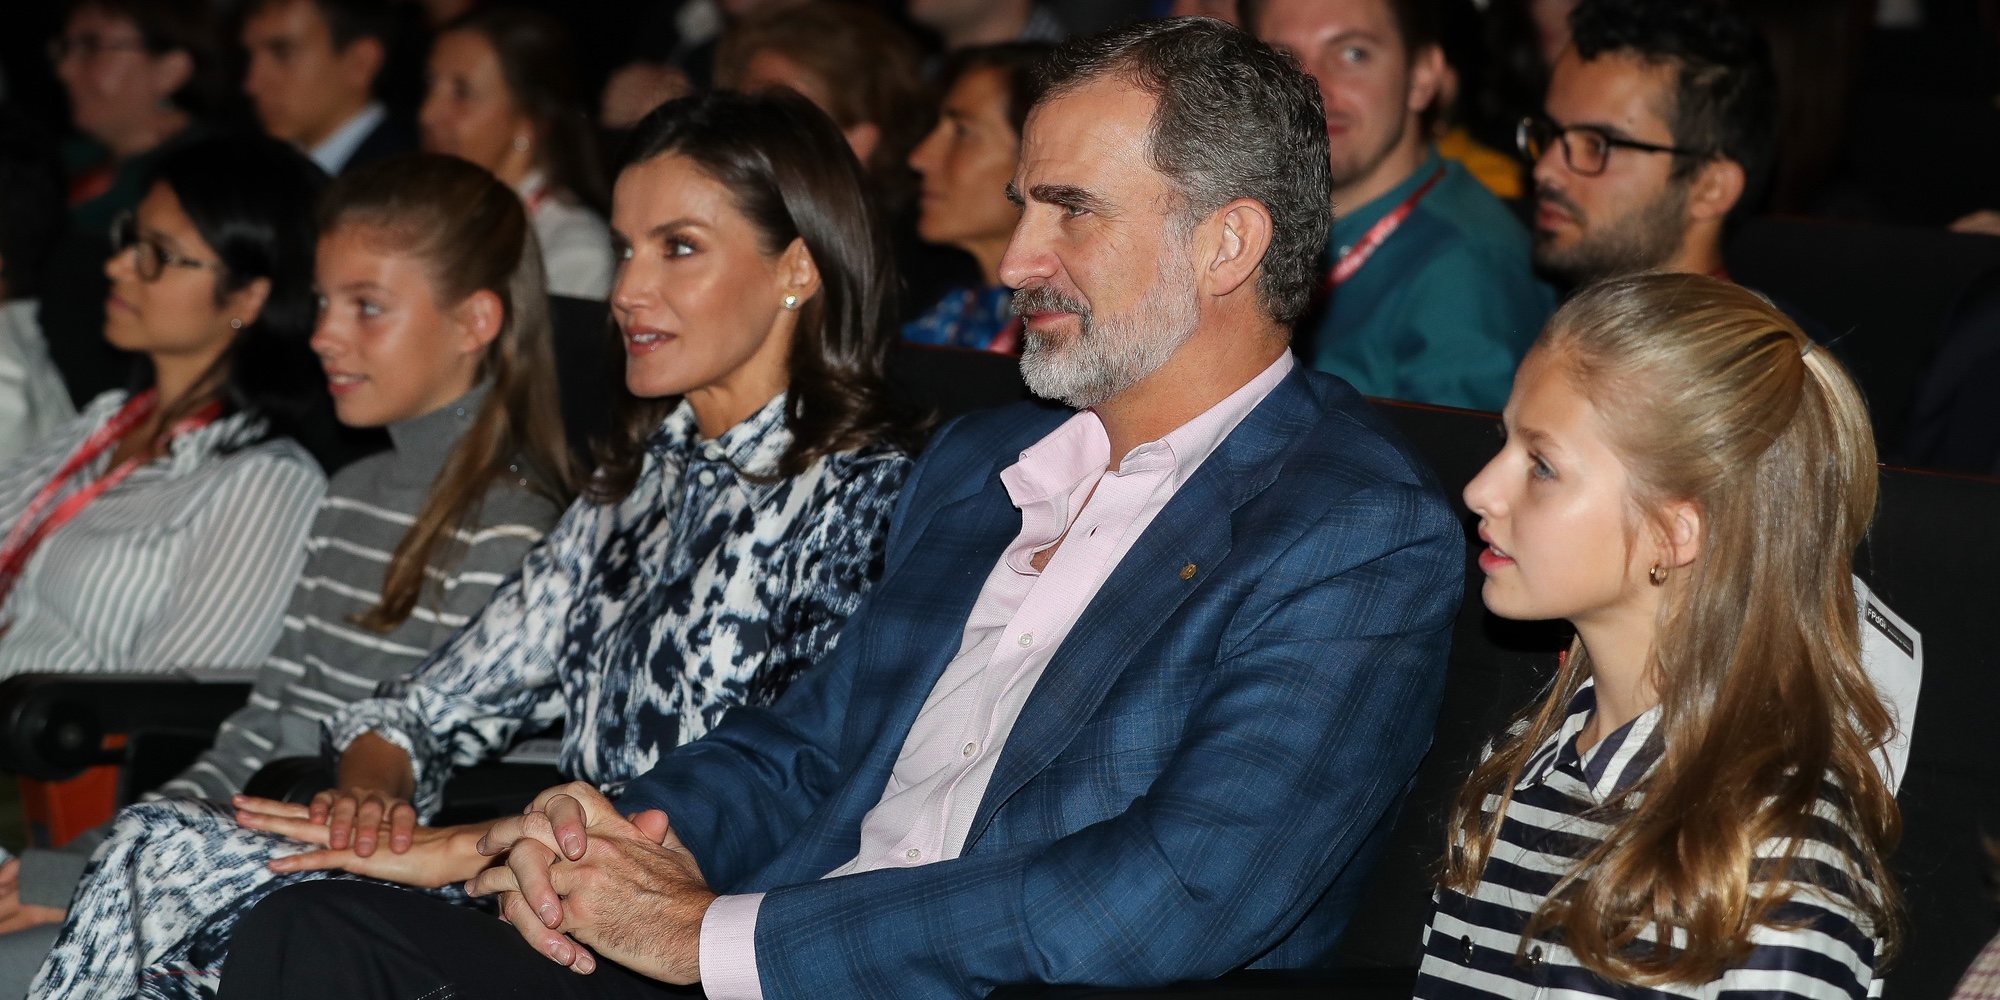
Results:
[1881, 292]
[1955, 421]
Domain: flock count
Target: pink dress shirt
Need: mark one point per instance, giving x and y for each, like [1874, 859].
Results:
[1066, 492]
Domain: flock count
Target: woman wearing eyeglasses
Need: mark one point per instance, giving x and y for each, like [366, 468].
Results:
[163, 527]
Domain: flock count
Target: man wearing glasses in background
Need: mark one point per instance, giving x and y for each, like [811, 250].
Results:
[1658, 131]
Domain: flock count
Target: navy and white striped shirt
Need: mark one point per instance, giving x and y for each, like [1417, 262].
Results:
[186, 563]
[1473, 945]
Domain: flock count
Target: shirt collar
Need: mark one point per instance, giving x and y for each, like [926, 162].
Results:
[1079, 448]
[335, 150]
[187, 451]
[1611, 767]
[1349, 222]
[754, 445]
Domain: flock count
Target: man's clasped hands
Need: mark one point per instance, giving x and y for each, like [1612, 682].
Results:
[575, 877]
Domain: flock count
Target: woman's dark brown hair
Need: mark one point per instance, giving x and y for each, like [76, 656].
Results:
[534, 53]
[472, 234]
[870, 68]
[792, 176]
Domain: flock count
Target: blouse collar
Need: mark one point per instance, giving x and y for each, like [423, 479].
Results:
[1608, 769]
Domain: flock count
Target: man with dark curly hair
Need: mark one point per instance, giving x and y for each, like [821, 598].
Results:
[1656, 132]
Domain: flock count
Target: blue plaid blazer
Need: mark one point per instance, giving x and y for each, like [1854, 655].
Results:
[1199, 778]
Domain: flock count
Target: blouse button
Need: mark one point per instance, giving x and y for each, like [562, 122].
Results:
[913, 854]
[706, 477]
[1466, 956]
[1535, 957]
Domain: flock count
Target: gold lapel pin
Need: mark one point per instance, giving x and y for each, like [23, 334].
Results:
[1187, 572]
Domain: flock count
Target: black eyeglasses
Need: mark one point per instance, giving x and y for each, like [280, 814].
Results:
[1586, 148]
[150, 258]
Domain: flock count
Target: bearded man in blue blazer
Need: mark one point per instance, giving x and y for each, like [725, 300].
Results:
[1140, 687]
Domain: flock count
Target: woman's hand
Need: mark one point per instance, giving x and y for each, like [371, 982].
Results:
[16, 915]
[362, 817]
[432, 856]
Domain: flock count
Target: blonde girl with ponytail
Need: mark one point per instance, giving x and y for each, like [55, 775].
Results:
[1694, 808]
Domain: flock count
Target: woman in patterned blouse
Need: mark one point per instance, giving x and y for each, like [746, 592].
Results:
[1694, 809]
[726, 535]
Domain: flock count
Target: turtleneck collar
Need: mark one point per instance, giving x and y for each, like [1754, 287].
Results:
[424, 443]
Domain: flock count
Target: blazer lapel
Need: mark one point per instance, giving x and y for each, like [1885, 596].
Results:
[929, 601]
[1144, 590]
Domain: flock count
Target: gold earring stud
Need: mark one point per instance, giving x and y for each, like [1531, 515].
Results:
[1657, 575]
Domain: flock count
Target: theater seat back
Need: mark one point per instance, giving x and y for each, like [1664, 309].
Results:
[1934, 556]
[1496, 669]
[1882, 292]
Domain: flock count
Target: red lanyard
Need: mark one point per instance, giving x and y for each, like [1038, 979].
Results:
[1377, 234]
[31, 529]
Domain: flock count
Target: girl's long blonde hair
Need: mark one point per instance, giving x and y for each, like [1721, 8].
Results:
[1711, 395]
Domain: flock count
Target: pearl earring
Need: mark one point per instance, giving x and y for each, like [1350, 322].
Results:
[235, 324]
[791, 302]
[520, 144]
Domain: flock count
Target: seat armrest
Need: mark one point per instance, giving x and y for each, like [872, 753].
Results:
[291, 779]
[52, 726]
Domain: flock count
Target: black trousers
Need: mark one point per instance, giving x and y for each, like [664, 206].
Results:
[350, 940]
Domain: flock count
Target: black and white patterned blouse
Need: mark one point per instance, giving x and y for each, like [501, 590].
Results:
[639, 623]
[1822, 947]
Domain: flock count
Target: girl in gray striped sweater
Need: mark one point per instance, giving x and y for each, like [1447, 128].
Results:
[433, 324]
[1694, 810]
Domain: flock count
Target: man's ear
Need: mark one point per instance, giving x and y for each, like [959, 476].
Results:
[798, 273]
[479, 318]
[1427, 78]
[172, 71]
[361, 60]
[1242, 235]
[1717, 187]
[247, 302]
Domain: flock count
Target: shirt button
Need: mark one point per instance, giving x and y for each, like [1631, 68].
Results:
[1535, 957]
[1027, 639]
[707, 477]
[913, 854]
[1466, 957]
[970, 749]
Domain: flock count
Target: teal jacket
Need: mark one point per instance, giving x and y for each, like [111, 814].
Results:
[1446, 306]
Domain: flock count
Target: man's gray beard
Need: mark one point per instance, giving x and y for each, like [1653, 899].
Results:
[1106, 358]
[1644, 240]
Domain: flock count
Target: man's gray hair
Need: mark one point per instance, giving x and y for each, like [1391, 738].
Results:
[1236, 119]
